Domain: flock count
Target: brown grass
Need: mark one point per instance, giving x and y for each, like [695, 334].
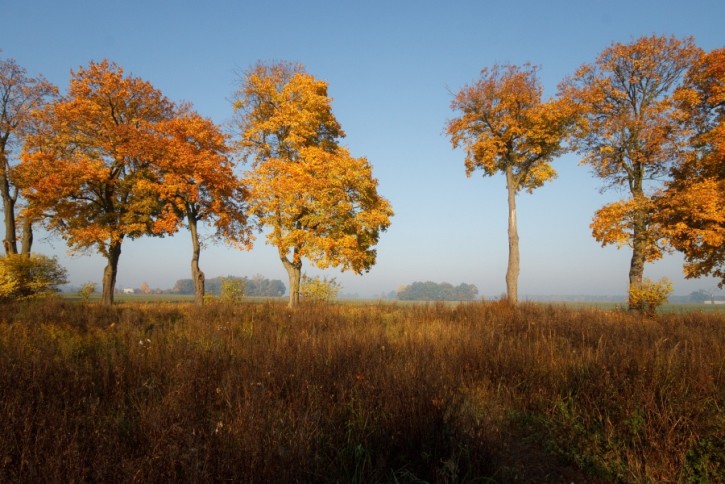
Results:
[365, 393]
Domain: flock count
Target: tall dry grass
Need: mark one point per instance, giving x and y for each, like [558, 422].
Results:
[369, 393]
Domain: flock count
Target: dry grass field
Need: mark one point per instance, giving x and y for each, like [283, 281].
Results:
[485, 392]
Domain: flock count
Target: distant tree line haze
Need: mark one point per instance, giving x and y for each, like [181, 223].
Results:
[113, 159]
[256, 286]
[433, 291]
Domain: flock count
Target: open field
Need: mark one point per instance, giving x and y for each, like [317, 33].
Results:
[486, 392]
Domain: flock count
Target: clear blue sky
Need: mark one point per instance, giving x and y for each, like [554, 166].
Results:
[391, 68]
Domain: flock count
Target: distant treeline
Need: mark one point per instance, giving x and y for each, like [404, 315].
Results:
[256, 286]
[433, 291]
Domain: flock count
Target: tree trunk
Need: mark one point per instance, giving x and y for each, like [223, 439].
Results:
[512, 271]
[109, 273]
[9, 242]
[196, 274]
[27, 241]
[294, 270]
[639, 247]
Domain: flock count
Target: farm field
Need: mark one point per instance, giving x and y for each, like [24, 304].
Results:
[483, 391]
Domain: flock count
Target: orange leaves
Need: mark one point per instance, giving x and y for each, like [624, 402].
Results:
[503, 123]
[614, 223]
[625, 115]
[693, 204]
[319, 202]
[196, 179]
[87, 168]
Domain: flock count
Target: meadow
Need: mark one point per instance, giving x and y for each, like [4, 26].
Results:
[255, 392]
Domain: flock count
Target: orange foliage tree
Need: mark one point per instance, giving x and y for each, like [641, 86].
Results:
[693, 204]
[317, 201]
[20, 95]
[506, 128]
[196, 182]
[626, 131]
[85, 168]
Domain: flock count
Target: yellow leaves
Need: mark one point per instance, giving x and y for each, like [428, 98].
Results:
[503, 123]
[320, 202]
[649, 295]
[282, 109]
[24, 276]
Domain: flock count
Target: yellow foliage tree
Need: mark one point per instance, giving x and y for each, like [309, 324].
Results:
[317, 201]
[693, 204]
[626, 131]
[88, 166]
[506, 128]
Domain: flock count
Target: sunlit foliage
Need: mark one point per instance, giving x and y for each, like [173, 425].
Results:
[29, 275]
[318, 201]
[319, 288]
[649, 295]
[694, 202]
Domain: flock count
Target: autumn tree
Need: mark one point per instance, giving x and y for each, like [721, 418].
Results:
[692, 208]
[197, 183]
[626, 132]
[20, 95]
[506, 128]
[88, 168]
[316, 200]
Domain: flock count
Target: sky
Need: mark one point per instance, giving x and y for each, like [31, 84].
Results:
[392, 68]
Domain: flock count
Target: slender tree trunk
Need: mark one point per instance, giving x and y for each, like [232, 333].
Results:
[110, 272]
[196, 274]
[512, 271]
[294, 270]
[27, 241]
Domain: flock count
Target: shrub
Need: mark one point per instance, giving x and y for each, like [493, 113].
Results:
[86, 290]
[232, 290]
[648, 296]
[23, 276]
[319, 289]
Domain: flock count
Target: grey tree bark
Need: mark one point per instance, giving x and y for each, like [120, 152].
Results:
[512, 271]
